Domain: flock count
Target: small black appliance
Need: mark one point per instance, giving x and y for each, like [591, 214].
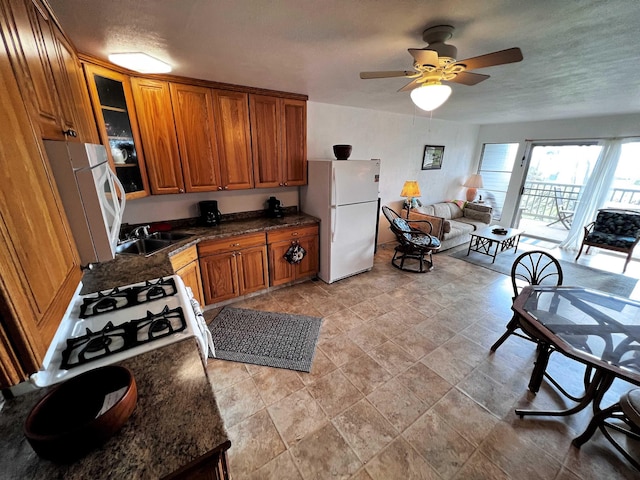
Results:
[210, 216]
[274, 209]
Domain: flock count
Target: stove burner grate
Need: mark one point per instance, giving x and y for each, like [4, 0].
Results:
[116, 338]
[124, 297]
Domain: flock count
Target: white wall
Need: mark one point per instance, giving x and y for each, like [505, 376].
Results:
[575, 128]
[398, 141]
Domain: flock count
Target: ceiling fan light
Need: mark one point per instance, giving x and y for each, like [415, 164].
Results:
[140, 62]
[430, 97]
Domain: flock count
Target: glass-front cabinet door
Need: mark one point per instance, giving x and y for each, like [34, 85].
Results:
[112, 102]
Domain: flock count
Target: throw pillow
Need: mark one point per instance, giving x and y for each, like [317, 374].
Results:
[459, 203]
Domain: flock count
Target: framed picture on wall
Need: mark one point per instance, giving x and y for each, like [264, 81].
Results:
[432, 158]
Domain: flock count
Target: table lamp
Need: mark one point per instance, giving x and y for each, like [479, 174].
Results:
[410, 190]
[473, 184]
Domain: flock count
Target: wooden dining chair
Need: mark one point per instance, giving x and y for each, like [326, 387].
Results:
[538, 268]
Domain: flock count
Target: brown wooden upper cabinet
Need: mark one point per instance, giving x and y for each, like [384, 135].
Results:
[47, 71]
[231, 110]
[278, 136]
[38, 257]
[115, 114]
[157, 128]
[195, 126]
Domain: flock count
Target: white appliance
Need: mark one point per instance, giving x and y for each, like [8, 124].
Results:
[344, 196]
[92, 196]
[106, 327]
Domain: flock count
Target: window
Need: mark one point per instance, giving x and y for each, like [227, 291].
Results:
[496, 164]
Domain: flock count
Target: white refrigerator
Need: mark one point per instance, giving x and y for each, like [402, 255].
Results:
[343, 194]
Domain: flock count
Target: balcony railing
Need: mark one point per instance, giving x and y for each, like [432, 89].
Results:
[539, 199]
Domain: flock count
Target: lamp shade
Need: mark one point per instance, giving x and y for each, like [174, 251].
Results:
[474, 181]
[429, 97]
[411, 189]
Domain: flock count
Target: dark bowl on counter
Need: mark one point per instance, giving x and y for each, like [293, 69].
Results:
[68, 422]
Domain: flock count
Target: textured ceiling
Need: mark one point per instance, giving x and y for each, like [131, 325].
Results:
[580, 56]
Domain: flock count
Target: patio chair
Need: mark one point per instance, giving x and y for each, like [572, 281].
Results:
[414, 244]
[626, 411]
[565, 216]
[537, 268]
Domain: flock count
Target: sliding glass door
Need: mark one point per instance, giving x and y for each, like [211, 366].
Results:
[556, 175]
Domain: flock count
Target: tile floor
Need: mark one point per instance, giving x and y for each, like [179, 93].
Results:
[403, 387]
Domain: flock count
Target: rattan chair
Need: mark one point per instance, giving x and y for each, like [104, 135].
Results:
[626, 411]
[414, 243]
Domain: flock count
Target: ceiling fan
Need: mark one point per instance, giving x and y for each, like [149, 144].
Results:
[437, 63]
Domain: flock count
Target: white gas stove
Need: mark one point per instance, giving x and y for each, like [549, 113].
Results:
[109, 326]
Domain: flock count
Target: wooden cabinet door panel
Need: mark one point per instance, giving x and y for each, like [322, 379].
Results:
[294, 143]
[234, 139]
[253, 269]
[190, 275]
[157, 129]
[219, 277]
[308, 267]
[266, 140]
[78, 95]
[280, 271]
[195, 126]
[28, 32]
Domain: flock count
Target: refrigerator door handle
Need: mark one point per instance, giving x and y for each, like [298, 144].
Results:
[334, 222]
[334, 202]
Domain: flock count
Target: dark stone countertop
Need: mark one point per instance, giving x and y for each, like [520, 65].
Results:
[164, 433]
[126, 269]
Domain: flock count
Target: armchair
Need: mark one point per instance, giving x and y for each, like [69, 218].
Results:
[414, 244]
[616, 230]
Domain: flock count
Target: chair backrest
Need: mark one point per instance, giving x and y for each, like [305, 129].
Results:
[399, 225]
[535, 268]
[618, 222]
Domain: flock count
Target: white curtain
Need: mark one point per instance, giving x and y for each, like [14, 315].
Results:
[595, 192]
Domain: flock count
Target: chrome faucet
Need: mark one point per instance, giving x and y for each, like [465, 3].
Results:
[140, 232]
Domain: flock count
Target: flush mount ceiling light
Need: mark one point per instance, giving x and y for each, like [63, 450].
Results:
[140, 62]
[431, 96]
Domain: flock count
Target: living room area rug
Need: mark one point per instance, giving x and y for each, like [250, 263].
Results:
[574, 274]
[271, 339]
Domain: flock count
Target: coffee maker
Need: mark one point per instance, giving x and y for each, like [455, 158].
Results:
[274, 209]
[210, 216]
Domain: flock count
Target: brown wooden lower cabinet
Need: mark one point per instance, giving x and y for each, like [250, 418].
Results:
[280, 270]
[210, 467]
[185, 264]
[233, 266]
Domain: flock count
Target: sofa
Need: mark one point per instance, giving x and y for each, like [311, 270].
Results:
[453, 222]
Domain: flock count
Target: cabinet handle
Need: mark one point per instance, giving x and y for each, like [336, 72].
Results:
[280, 184]
[181, 190]
[226, 187]
[235, 244]
[239, 254]
[70, 133]
[294, 234]
[286, 184]
[219, 188]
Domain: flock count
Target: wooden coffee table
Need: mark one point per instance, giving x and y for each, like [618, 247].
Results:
[482, 241]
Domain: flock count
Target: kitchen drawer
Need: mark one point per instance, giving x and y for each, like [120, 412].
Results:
[183, 258]
[283, 234]
[230, 244]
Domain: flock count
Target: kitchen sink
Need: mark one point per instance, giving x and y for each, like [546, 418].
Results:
[142, 246]
[151, 244]
[171, 236]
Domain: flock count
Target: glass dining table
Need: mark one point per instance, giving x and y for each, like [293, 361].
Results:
[596, 328]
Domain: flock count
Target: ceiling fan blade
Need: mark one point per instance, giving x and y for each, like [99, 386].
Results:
[388, 74]
[415, 83]
[424, 57]
[510, 55]
[468, 78]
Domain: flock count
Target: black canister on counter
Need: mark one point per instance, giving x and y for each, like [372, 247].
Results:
[210, 216]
